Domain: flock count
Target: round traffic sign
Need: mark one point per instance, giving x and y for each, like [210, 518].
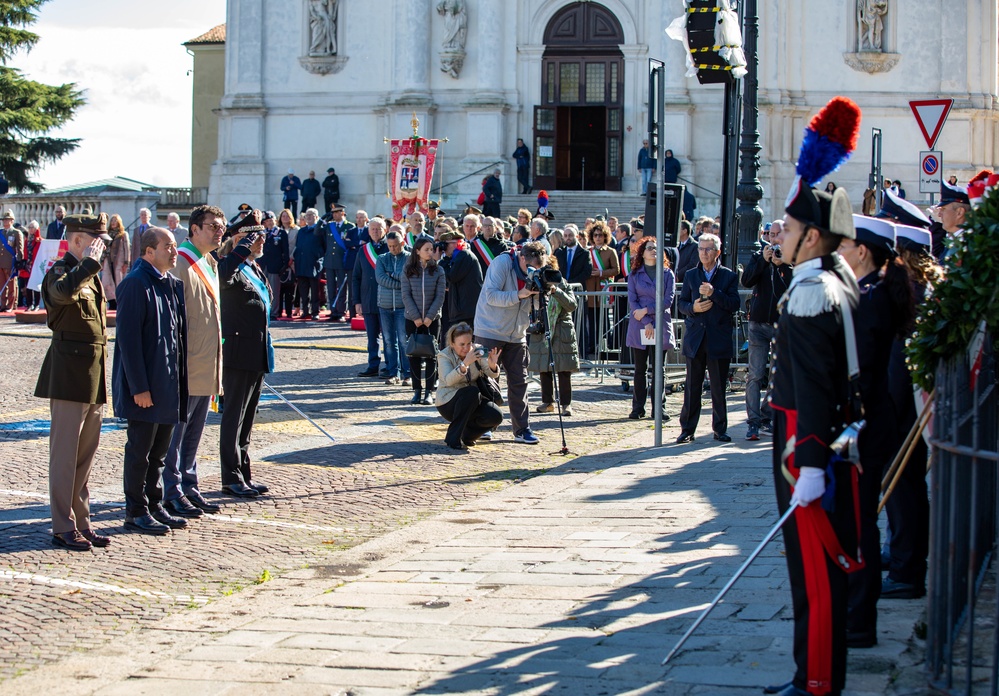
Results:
[931, 165]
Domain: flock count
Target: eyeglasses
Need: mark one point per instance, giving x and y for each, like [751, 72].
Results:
[650, 248]
[702, 250]
[217, 226]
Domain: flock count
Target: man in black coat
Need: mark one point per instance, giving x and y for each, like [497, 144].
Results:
[686, 251]
[364, 289]
[573, 260]
[331, 189]
[769, 278]
[341, 251]
[310, 191]
[56, 228]
[522, 156]
[149, 377]
[247, 354]
[464, 280]
[709, 298]
[493, 188]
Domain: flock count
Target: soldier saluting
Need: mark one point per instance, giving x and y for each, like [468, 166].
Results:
[73, 377]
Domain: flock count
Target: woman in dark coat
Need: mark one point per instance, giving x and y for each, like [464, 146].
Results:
[561, 304]
[642, 317]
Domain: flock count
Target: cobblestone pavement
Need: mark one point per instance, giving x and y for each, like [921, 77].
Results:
[389, 468]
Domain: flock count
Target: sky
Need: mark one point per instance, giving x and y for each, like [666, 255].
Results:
[127, 57]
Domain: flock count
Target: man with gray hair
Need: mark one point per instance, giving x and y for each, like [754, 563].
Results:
[539, 233]
[709, 298]
[144, 216]
[179, 231]
[493, 188]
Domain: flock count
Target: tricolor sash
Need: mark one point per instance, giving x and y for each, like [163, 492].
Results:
[626, 262]
[599, 263]
[201, 268]
[261, 289]
[370, 254]
[411, 239]
[484, 251]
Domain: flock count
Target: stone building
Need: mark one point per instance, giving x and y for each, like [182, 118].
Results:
[310, 84]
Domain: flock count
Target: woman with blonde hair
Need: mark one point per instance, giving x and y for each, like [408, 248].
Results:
[459, 400]
[117, 261]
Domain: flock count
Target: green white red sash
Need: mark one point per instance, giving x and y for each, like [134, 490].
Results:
[411, 238]
[201, 268]
[370, 254]
[484, 251]
[626, 262]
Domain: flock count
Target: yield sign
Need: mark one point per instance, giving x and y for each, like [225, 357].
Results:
[931, 114]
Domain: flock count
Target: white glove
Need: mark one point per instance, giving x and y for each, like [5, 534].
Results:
[810, 486]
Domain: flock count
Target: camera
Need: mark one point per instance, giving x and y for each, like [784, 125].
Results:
[536, 327]
[440, 247]
[775, 248]
[480, 352]
[539, 279]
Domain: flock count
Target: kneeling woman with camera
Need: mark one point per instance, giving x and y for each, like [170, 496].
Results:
[459, 398]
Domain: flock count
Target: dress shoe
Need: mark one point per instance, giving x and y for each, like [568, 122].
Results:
[146, 524]
[98, 540]
[258, 487]
[685, 437]
[861, 639]
[240, 490]
[199, 502]
[461, 447]
[74, 541]
[666, 417]
[636, 415]
[723, 437]
[182, 507]
[892, 589]
[161, 515]
[384, 374]
[368, 373]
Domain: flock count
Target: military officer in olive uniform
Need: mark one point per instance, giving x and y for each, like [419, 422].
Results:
[73, 377]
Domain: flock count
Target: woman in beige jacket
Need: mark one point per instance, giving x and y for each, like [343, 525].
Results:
[459, 400]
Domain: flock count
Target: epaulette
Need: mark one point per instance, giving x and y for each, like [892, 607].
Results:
[813, 296]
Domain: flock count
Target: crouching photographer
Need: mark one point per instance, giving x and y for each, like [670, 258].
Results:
[502, 315]
[460, 399]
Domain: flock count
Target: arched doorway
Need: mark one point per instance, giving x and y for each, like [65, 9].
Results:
[578, 126]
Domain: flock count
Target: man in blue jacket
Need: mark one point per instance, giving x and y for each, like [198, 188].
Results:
[709, 298]
[290, 186]
[310, 248]
[149, 376]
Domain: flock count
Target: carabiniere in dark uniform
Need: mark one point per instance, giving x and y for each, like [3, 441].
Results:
[72, 377]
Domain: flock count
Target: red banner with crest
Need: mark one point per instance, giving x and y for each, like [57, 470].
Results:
[412, 171]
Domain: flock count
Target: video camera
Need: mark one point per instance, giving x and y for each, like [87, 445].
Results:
[540, 279]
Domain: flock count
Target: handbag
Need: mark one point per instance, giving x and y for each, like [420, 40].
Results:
[421, 345]
[489, 388]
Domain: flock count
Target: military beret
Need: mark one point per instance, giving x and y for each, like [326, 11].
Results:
[94, 225]
[8, 215]
[449, 237]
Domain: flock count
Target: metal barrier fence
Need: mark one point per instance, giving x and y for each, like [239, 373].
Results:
[964, 490]
[609, 323]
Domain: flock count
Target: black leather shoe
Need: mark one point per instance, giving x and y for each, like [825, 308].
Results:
[368, 373]
[892, 589]
[146, 524]
[98, 540]
[199, 502]
[240, 490]
[723, 437]
[636, 415]
[74, 541]
[684, 438]
[258, 487]
[384, 374]
[163, 517]
[182, 507]
[776, 689]
[666, 417]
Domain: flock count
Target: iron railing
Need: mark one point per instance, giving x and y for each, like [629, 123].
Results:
[964, 490]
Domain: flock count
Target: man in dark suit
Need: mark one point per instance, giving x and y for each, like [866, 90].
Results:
[149, 376]
[341, 252]
[686, 251]
[75, 387]
[57, 227]
[364, 289]
[709, 298]
[573, 260]
[247, 354]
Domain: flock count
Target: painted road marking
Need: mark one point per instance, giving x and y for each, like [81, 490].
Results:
[11, 575]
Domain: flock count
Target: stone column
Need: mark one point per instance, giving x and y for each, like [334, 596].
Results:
[412, 48]
[488, 51]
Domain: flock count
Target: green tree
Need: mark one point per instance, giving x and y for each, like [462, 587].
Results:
[29, 110]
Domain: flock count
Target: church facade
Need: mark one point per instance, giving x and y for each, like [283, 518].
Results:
[312, 84]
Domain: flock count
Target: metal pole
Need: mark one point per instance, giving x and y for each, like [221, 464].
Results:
[582, 177]
[299, 412]
[659, 75]
[749, 191]
[742, 569]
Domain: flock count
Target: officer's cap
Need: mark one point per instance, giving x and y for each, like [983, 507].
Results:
[247, 224]
[94, 225]
[875, 232]
[913, 238]
[902, 211]
[953, 194]
[337, 208]
[8, 215]
[244, 206]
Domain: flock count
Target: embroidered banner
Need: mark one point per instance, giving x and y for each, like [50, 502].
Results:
[412, 170]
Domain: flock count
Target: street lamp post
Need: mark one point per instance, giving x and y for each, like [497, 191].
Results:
[749, 191]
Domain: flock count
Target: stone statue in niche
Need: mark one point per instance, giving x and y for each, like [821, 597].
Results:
[870, 24]
[455, 30]
[322, 27]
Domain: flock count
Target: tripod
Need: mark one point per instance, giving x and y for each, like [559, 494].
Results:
[546, 323]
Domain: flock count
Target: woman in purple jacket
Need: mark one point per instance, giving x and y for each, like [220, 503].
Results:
[642, 318]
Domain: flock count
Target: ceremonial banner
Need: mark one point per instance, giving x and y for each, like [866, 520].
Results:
[412, 167]
[49, 251]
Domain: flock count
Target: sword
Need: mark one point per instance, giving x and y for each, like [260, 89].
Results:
[752, 557]
[297, 410]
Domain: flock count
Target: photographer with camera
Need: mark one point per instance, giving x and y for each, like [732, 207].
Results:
[557, 315]
[459, 399]
[768, 276]
[502, 317]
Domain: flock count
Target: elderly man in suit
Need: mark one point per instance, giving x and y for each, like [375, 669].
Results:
[709, 298]
[247, 354]
[149, 376]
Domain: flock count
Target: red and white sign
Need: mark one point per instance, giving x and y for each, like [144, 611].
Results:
[931, 114]
[930, 167]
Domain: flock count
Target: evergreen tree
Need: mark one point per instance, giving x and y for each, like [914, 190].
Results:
[29, 110]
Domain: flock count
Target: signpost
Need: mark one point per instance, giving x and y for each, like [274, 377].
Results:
[930, 171]
[931, 114]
